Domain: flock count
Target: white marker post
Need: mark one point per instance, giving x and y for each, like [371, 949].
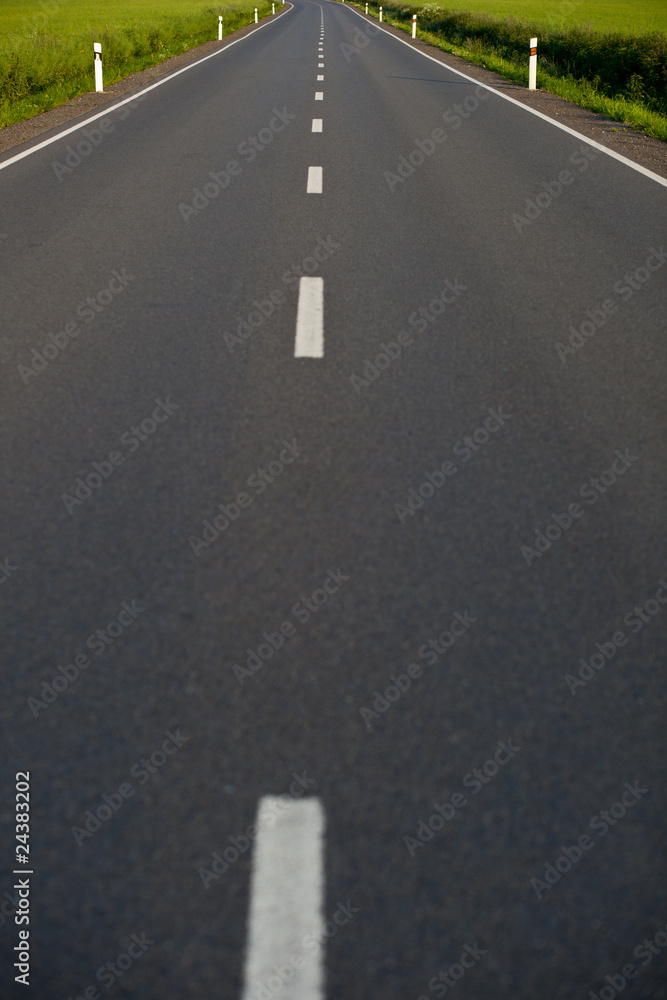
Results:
[380, 13]
[532, 65]
[255, 15]
[367, 8]
[414, 25]
[97, 49]
[273, 8]
[220, 28]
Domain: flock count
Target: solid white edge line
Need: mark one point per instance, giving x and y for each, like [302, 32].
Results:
[309, 339]
[314, 183]
[108, 108]
[286, 899]
[564, 128]
[317, 125]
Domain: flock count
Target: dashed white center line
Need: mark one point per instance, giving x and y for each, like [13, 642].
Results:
[286, 898]
[317, 124]
[314, 183]
[319, 95]
[309, 340]
[320, 78]
[320, 65]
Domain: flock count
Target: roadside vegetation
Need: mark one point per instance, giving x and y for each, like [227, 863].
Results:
[629, 17]
[46, 48]
[617, 73]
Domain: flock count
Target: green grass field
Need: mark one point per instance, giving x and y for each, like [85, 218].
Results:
[46, 46]
[626, 16]
[67, 18]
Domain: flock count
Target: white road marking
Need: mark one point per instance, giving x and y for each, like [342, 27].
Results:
[309, 341]
[320, 65]
[317, 124]
[314, 182]
[286, 899]
[112, 107]
[320, 78]
[319, 95]
[533, 111]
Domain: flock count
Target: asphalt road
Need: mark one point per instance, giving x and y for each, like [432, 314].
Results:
[463, 543]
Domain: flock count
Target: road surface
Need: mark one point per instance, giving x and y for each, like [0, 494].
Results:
[334, 478]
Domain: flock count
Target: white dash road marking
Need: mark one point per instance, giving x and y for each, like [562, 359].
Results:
[320, 65]
[319, 95]
[309, 341]
[286, 899]
[317, 124]
[314, 182]
[320, 78]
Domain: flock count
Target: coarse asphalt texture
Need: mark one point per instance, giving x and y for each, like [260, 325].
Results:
[456, 515]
